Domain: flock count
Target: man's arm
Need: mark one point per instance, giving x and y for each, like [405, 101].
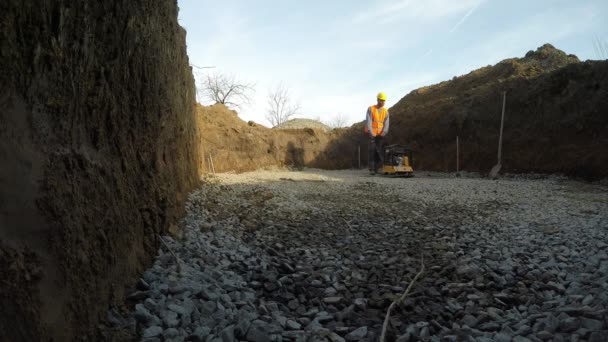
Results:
[368, 122]
[386, 124]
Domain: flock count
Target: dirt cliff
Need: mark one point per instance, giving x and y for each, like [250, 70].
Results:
[98, 150]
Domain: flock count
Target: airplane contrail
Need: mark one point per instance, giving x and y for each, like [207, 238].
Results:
[464, 18]
[428, 52]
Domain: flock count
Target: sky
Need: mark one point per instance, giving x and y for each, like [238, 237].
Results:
[335, 56]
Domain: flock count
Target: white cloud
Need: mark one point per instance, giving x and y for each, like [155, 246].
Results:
[386, 12]
[380, 11]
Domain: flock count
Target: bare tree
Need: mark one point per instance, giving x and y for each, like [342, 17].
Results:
[338, 121]
[227, 90]
[280, 108]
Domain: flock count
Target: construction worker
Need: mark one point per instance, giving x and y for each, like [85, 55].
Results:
[376, 127]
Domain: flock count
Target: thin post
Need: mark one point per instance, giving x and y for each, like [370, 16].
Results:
[359, 149]
[212, 166]
[205, 163]
[457, 156]
[502, 121]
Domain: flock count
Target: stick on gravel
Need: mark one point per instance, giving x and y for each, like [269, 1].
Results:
[348, 225]
[400, 300]
[179, 266]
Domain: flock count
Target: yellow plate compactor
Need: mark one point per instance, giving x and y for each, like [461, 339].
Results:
[398, 161]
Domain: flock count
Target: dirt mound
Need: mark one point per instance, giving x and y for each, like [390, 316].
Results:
[548, 58]
[545, 59]
[98, 152]
[303, 123]
[235, 145]
[555, 118]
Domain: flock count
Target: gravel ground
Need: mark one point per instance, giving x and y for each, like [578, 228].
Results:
[319, 256]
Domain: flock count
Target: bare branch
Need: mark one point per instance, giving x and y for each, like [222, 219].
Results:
[400, 300]
[227, 90]
[337, 121]
[177, 261]
[280, 108]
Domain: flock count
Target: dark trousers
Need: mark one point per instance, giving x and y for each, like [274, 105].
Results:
[376, 153]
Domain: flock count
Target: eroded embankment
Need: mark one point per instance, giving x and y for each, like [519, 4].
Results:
[98, 150]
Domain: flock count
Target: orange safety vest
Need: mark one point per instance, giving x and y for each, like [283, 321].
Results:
[378, 117]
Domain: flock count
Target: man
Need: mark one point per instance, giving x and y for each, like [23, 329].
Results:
[376, 127]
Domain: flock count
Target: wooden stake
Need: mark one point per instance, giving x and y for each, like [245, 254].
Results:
[494, 172]
[212, 166]
[457, 156]
[502, 121]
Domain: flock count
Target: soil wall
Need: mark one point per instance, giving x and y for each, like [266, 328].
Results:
[236, 145]
[98, 150]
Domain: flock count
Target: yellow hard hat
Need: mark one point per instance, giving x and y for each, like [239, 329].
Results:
[382, 96]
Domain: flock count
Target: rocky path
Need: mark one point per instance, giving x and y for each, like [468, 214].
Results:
[319, 256]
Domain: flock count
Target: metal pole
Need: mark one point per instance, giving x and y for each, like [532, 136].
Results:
[457, 156]
[502, 121]
[359, 148]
